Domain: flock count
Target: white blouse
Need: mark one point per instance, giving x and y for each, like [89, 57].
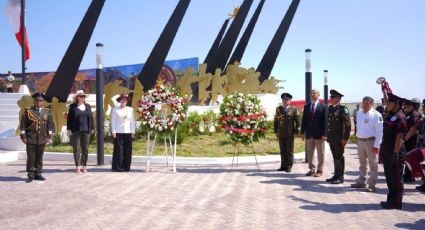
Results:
[123, 120]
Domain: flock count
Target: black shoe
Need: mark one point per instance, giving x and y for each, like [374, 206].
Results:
[420, 187]
[118, 170]
[310, 173]
[337, 181]
[385, 205]
[29, 179]
[281, 169]
[331, 179]
[39, 177]
[288, 170]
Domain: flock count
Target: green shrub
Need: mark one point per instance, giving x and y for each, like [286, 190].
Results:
[56, 140]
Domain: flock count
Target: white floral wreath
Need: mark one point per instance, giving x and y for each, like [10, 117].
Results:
[162, 96]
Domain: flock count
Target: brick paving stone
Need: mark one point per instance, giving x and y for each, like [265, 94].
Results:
[199, 198]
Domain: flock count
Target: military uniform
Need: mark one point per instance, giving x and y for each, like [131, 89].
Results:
[394, 124]
[286, 125]
[338, 129]
[36, 128]
[412, 119]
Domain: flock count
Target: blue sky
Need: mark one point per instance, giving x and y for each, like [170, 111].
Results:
[356, 40]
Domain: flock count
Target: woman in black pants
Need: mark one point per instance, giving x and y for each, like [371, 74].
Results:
[80, 126]
[123, 130]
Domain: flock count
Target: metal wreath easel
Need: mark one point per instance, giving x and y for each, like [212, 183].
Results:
[167, 143]
[236, 152]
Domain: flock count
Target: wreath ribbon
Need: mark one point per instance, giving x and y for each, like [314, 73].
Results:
[242, 118]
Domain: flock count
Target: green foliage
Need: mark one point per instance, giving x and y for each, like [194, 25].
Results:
[56, 140]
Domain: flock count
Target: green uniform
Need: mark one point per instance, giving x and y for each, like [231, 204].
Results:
[286, 125]
[37, 128]
[338, 128]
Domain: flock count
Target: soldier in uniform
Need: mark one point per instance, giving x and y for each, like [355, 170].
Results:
[392, 151]
[36, 131]
[410, 110]
[338, 132]
[286, 126]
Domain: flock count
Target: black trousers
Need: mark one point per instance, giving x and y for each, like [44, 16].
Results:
[339, 161]
[34, 159]
[286, 145]
[10, 90]
[393, 170]
[123, 147]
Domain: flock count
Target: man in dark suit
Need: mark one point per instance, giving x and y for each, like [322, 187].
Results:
[313, 131]
[36, 131]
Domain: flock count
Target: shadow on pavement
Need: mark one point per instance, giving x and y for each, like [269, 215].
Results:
[338, 208]
[221, 170]
[419, 224]
[311, 186]
[11, 179]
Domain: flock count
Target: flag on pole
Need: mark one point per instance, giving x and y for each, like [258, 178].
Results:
[13, 13]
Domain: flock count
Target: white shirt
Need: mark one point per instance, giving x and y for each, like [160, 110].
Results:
[123, 120]
[10, 78]
[370, 124]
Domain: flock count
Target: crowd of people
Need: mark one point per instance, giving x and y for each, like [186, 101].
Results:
[393, 134]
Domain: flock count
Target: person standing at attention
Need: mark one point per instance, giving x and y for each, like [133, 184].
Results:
[313, 131]
[123, 130]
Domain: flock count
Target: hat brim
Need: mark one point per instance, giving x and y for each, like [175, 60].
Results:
[121, 97]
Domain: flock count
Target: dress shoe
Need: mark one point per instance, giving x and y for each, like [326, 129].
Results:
[386, 205]
[310, 173]
[358, 185]
[281, 169]
[39, 177]
[338, 181]
[371, 188]
[288, 170]
[421, 187]
[29, 179]
[331, 179]
[118, 170]
[318, 174]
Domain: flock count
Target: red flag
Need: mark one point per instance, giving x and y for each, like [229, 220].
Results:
[13, 13]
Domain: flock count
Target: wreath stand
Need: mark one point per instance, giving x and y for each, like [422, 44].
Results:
[236, 152]
[168, 143]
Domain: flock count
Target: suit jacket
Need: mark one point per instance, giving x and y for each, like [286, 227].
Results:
[72, 122]
[314, 125]
[37, 126]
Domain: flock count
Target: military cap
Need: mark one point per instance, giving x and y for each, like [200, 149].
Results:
[38, 96]
[335, 93]
[394, 98]
[286, 96]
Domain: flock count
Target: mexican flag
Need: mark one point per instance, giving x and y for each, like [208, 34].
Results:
[13, 13]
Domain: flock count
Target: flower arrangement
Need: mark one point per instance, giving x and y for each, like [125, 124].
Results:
[242, 118]
[162, 109]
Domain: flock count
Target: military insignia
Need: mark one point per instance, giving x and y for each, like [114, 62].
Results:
[393, 118]
[345, 110]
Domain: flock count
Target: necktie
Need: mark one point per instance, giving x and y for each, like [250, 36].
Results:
[312, 108]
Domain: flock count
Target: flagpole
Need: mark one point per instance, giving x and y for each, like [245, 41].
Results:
[23, 39]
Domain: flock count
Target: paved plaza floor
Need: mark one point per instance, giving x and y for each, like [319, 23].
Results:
[199, 198]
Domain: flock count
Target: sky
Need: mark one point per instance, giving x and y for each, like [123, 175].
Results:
[357, 41]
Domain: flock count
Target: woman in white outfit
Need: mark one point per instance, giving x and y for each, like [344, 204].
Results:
[123, 130]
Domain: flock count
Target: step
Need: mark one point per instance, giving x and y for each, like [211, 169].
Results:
[11, 95]
[9, 112]
[9, 118]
